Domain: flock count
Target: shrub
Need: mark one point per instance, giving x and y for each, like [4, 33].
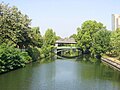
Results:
[12, 58]
[34, 53]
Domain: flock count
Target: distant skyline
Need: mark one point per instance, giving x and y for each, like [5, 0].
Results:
[64, 16]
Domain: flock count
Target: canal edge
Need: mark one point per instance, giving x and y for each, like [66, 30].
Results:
[112, 63]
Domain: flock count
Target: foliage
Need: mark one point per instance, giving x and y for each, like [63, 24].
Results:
[15, 31]
[101, 42]
[47, 51]
[73, 36]
[115, 42]
[12, 58]
[14, 26]
[49, 37]
[33, 53]
[36, 37]
[58, 37]
[86, 33]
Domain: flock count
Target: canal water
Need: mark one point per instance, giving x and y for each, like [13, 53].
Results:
[62, 74]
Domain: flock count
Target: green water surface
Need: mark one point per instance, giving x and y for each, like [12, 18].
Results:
[62, 74]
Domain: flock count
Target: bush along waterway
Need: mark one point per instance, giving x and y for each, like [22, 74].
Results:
[83, 73]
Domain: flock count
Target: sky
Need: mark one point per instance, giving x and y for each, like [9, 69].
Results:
[65, 16]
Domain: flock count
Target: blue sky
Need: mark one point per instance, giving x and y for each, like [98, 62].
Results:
[64, 16]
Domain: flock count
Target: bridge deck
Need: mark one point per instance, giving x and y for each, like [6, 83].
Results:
[67, 47]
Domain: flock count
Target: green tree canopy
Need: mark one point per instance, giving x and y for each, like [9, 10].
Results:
[115, 42]
[36, 37]
[73, 36]
[86, 33]
[49, 37]
[14, 26]
[12, 58]
[101, 42]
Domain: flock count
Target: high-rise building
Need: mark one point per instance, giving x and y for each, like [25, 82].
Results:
[115, 21]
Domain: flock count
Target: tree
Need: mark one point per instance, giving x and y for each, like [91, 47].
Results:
[58, 37]
[14, 26]
[49, 37]
[73, 36]
[36, 37]
[86, 33]
[115, 42]
[101, 43]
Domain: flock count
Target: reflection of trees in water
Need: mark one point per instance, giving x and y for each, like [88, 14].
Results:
[16, 80]
[47, 60]
[44, 75]
[95, 71]
[87, 59]
[69, 53]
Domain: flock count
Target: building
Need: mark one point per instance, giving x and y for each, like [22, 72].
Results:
[115, 21]
[65, 41]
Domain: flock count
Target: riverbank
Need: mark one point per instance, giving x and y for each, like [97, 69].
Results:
[112, 62]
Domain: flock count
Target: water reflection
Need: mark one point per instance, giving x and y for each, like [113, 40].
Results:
[100, 76]
[84, 73]
[16, 80]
